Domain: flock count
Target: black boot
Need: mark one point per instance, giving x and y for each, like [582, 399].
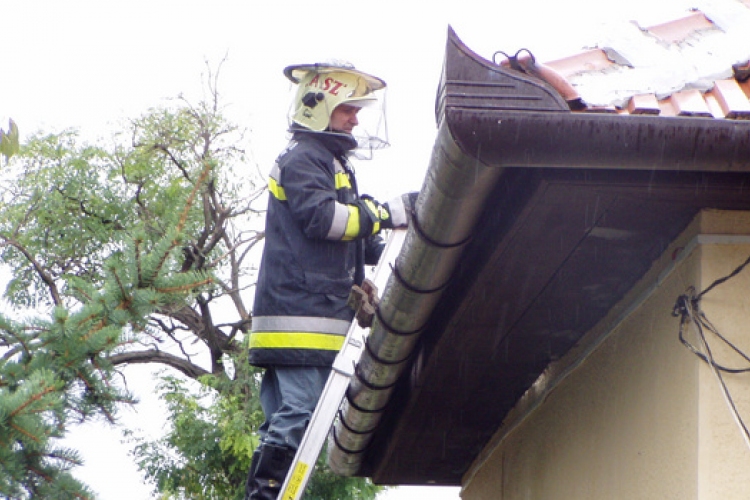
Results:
[269, 475]
[251, 473]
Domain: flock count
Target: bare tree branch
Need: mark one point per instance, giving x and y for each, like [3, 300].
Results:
[155, 356]
[38, 267]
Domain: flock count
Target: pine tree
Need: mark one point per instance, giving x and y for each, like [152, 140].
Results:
[60, 368]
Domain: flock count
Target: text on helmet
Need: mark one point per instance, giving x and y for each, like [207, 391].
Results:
[330, 85]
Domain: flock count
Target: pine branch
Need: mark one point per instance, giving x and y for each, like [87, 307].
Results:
[185, 288]
[139, 271]
[24, 345]
[36, 397]
[102, 322]
[123, 291]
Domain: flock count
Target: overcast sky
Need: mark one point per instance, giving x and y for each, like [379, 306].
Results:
[90, 64]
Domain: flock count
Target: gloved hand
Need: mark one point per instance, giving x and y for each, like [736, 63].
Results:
[399, 209]
[390, 215]
[373, 215]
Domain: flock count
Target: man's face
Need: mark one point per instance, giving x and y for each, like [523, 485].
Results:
[344, 118]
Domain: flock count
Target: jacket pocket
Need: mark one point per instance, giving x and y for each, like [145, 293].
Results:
[325, 284]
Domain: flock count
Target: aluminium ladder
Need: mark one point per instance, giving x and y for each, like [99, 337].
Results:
[337, 384]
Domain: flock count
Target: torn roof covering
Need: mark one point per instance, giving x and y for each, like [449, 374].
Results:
[695, 65]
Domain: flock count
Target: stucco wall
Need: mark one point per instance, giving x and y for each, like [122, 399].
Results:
[634, 414]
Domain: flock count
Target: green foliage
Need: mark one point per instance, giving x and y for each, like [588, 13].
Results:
[207, 452]
[120, 255]
[93, 262]
[45, 381]
[191, 461]
[9, 143]
[58, 368]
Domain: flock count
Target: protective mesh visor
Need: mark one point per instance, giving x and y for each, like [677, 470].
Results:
[371, 133]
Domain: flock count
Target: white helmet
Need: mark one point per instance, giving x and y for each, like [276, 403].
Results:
[323, 86]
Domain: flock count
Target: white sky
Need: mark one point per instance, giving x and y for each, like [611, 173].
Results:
[89, 64]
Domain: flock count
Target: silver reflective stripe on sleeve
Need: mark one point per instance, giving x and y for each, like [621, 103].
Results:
[339, 222]
[338, 167]
[275, 171]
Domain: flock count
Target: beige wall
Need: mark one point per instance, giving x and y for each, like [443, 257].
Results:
[631, 413]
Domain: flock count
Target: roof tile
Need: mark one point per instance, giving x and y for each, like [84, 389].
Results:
[680, 29]
[731, 99]
[644, 104]
[690, 103]
[590, 60]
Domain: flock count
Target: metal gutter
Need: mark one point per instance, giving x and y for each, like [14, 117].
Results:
[449, 203]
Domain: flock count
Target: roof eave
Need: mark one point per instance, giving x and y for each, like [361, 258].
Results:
[480, 132]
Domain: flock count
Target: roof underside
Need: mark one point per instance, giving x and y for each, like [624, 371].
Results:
[563, 235]
[555, 251]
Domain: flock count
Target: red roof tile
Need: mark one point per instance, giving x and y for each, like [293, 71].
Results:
[590, 60]
[644, 104]
[680, 29]
[731, 99]
[690, 103]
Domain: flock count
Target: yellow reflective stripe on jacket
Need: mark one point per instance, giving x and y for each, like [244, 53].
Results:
[342, 181]
[276, 189]
[296, 340]
[352, 224]
[374, 209]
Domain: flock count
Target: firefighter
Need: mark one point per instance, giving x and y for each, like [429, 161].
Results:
[320, 234]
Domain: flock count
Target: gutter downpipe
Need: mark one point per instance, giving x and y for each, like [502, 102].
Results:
[452, 196]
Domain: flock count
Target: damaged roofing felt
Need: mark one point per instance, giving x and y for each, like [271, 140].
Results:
[533, 222]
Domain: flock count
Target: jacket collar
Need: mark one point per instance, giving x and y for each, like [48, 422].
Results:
[337, 143]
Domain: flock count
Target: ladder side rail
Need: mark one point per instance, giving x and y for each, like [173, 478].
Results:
[337, 384]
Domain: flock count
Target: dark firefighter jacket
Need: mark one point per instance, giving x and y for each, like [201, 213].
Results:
[319, 237]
